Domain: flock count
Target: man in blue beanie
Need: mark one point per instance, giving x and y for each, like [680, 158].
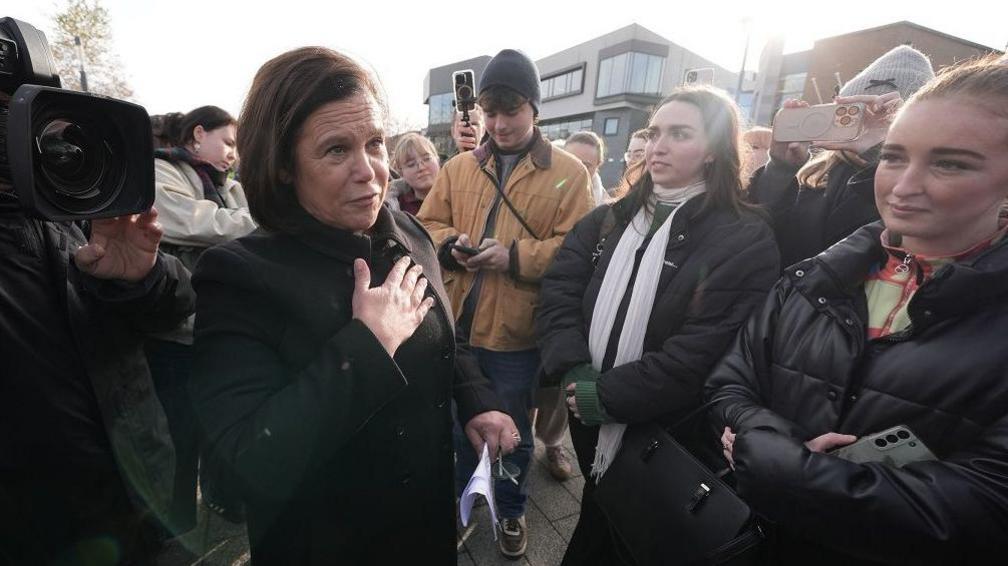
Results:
[511, 200]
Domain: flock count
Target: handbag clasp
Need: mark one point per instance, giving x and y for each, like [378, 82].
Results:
[701, 493]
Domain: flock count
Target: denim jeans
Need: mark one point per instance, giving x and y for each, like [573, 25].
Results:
[513, 375]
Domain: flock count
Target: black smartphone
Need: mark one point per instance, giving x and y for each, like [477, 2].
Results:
[466, 249]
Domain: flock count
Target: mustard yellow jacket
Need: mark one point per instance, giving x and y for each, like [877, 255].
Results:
[551, 190]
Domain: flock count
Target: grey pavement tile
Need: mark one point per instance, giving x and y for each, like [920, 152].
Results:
[463, 559]
[551, 496]
[546, 547]
[575, 486]
[566, 526]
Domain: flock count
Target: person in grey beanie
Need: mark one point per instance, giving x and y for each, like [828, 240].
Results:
[814, 203]
[498, 214]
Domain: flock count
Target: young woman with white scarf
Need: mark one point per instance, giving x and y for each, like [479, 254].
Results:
[645, 294]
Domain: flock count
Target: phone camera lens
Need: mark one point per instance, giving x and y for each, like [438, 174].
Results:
[880, 442]
[853, 110]
[891, 438]
[841, 111]
[845, 121]
[903, 434]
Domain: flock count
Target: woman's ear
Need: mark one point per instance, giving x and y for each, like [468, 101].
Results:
[198, 133]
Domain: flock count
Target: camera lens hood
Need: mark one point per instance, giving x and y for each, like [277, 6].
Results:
[75, 155]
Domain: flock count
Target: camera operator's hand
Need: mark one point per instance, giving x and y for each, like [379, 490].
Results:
[124, 247]
[467, 138]
[794, 154]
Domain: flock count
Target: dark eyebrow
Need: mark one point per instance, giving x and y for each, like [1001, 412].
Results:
[946, 151]
[892, 147]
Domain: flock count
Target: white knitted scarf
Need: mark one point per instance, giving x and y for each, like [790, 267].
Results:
[614, 286]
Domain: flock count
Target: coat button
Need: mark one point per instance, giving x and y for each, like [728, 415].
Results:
[400, 431]
[799, 273]
[446, 354]
[681, 237]
[441, 404]
[822, 300]
[832, 395]
[928, 313]
[852, 398]
[849, 321]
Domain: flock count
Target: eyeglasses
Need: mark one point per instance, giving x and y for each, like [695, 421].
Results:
[424, 159]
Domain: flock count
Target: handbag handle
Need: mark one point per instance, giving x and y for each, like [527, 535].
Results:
[691, 415]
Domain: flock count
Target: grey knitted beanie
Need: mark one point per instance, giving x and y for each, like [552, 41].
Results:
[515, 70]
[903, 68]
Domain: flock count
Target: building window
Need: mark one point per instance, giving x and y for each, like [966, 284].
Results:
[564, 84]
[563, 130]
[440, 110]
[611, 126]
[630, 73]
[790, 86]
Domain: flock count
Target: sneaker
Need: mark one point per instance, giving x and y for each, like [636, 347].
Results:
[558, 464]
[514, 538]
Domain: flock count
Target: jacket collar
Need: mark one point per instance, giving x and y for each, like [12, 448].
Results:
[541, 151]
[957, 288]
[343, 244]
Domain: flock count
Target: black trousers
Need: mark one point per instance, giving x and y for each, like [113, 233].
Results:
[592, 542]
[77, 518]
[171, 365]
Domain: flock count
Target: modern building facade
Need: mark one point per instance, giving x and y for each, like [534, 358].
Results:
[815, 75]
[608, 85]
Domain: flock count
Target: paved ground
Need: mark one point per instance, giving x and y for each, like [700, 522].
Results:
[551, 516]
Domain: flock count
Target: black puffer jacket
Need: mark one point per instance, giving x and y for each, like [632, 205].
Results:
[806, 221]
[803, 366]
[718, 267]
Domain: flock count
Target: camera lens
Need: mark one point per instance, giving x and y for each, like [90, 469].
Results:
[892, 438]
[465, 92]
[903, 434]
[71, 160]
[841, 111]
[880, 442]
[79, 164]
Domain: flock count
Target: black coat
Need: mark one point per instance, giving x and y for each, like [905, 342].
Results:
[803, 366]
[342, 454]
[108, 321]
[718, 267]
[806, 221]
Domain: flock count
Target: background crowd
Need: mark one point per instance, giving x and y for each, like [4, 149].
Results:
[327, 347]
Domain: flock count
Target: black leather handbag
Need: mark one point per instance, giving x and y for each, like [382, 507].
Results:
[666, 507]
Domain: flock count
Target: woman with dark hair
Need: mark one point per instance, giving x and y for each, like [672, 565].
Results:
[326, 399]
[902, 323]
[198, 206]
[646, 293]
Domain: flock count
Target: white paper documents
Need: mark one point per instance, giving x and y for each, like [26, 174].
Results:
[481, 483]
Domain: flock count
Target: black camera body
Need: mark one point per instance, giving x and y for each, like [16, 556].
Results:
[69, 155]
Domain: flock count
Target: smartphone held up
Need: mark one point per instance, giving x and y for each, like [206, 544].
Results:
[820, 123]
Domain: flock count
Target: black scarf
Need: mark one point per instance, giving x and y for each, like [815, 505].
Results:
[208, 174]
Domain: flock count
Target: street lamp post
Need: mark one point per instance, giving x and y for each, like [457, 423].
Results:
[745, 55]
[80, 58]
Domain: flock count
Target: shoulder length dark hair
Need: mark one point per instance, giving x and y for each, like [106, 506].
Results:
[284, 92]
[723, 174]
